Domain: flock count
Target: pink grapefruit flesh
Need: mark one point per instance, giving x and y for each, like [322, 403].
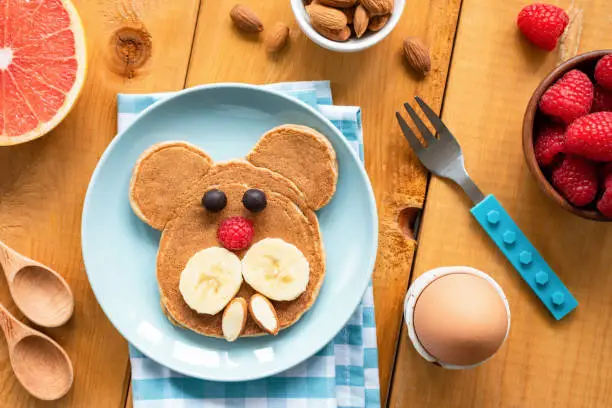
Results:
[42, 66]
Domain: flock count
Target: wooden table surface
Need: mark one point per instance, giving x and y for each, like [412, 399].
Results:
[482, 75]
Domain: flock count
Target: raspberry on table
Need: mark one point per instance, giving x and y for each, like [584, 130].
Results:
[591, 137]
[549, 144]
[569, 98]
[576, 179]
[602, 99]
[542, 24]
[603, 72]
[235, 233]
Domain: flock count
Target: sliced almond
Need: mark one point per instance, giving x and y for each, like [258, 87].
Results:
[245, 19]
[264, 314]
[361, 19]
[378, 22]
[234, 318]
[334, 35]
[327, 17]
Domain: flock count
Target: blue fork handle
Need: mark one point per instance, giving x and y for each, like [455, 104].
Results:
[524, 257]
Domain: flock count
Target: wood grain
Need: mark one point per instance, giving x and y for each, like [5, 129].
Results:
[134, 46]
[544, 363]
[378, 81]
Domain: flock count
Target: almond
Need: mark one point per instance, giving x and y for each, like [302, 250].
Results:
[378, 22]
[417, 55]
[234, 318]
[338, 3]
[264, 314]
[378, 7]
[277, 37]
[334, 35]
[245, 19]
[360, 21]
[327, 17]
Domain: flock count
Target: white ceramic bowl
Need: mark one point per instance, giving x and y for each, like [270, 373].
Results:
[353, 44]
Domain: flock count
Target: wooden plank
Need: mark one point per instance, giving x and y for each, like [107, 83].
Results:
[544, 363]
[376, 80]
[134, 46]
[129, 402]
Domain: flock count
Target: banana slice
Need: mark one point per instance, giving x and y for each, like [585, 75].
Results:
[234, 319]
[211, 278]
[264, 314]
[276, 269]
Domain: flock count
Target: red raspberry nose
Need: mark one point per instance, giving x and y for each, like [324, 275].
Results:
[235, 233]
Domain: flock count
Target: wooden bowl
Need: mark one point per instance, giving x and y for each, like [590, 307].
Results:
[586, 63]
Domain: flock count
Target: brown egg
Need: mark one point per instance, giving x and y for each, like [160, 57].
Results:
[460, 319]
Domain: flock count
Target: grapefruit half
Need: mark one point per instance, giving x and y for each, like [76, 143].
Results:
[42, 66]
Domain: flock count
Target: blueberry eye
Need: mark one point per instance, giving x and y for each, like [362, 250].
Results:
[214, 200]
[254, 200]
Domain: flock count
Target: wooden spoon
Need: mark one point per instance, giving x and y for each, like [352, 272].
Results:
[40, 364]
[39, 292]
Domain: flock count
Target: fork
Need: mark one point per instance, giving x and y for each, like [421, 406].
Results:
[443, 157]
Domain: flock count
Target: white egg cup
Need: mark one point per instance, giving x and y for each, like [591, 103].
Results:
[417, 288]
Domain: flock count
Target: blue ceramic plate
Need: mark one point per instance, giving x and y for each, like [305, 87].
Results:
[120, 250]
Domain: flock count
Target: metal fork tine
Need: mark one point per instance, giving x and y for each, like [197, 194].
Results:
[429, 138]
[434, 119]
[415, 143]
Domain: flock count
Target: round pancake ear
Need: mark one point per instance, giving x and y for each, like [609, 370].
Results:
[302, 155]
[163, 178]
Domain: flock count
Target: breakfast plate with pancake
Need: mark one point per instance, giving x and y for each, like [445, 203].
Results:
[215, 230]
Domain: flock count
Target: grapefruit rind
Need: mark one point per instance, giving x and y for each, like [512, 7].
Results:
[76, 26]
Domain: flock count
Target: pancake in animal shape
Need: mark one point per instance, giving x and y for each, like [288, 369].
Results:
[169, 181]
[305, 146]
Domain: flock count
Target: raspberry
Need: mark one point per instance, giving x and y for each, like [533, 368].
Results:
[550, 142]
[606, 175]
[603, 72]
[602, 100]
[569, 98]
[604, 205]
[542, 24]
[576, 180]
[591, 137]
[235, 233]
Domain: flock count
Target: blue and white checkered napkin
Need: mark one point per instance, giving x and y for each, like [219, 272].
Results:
[343, 374]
